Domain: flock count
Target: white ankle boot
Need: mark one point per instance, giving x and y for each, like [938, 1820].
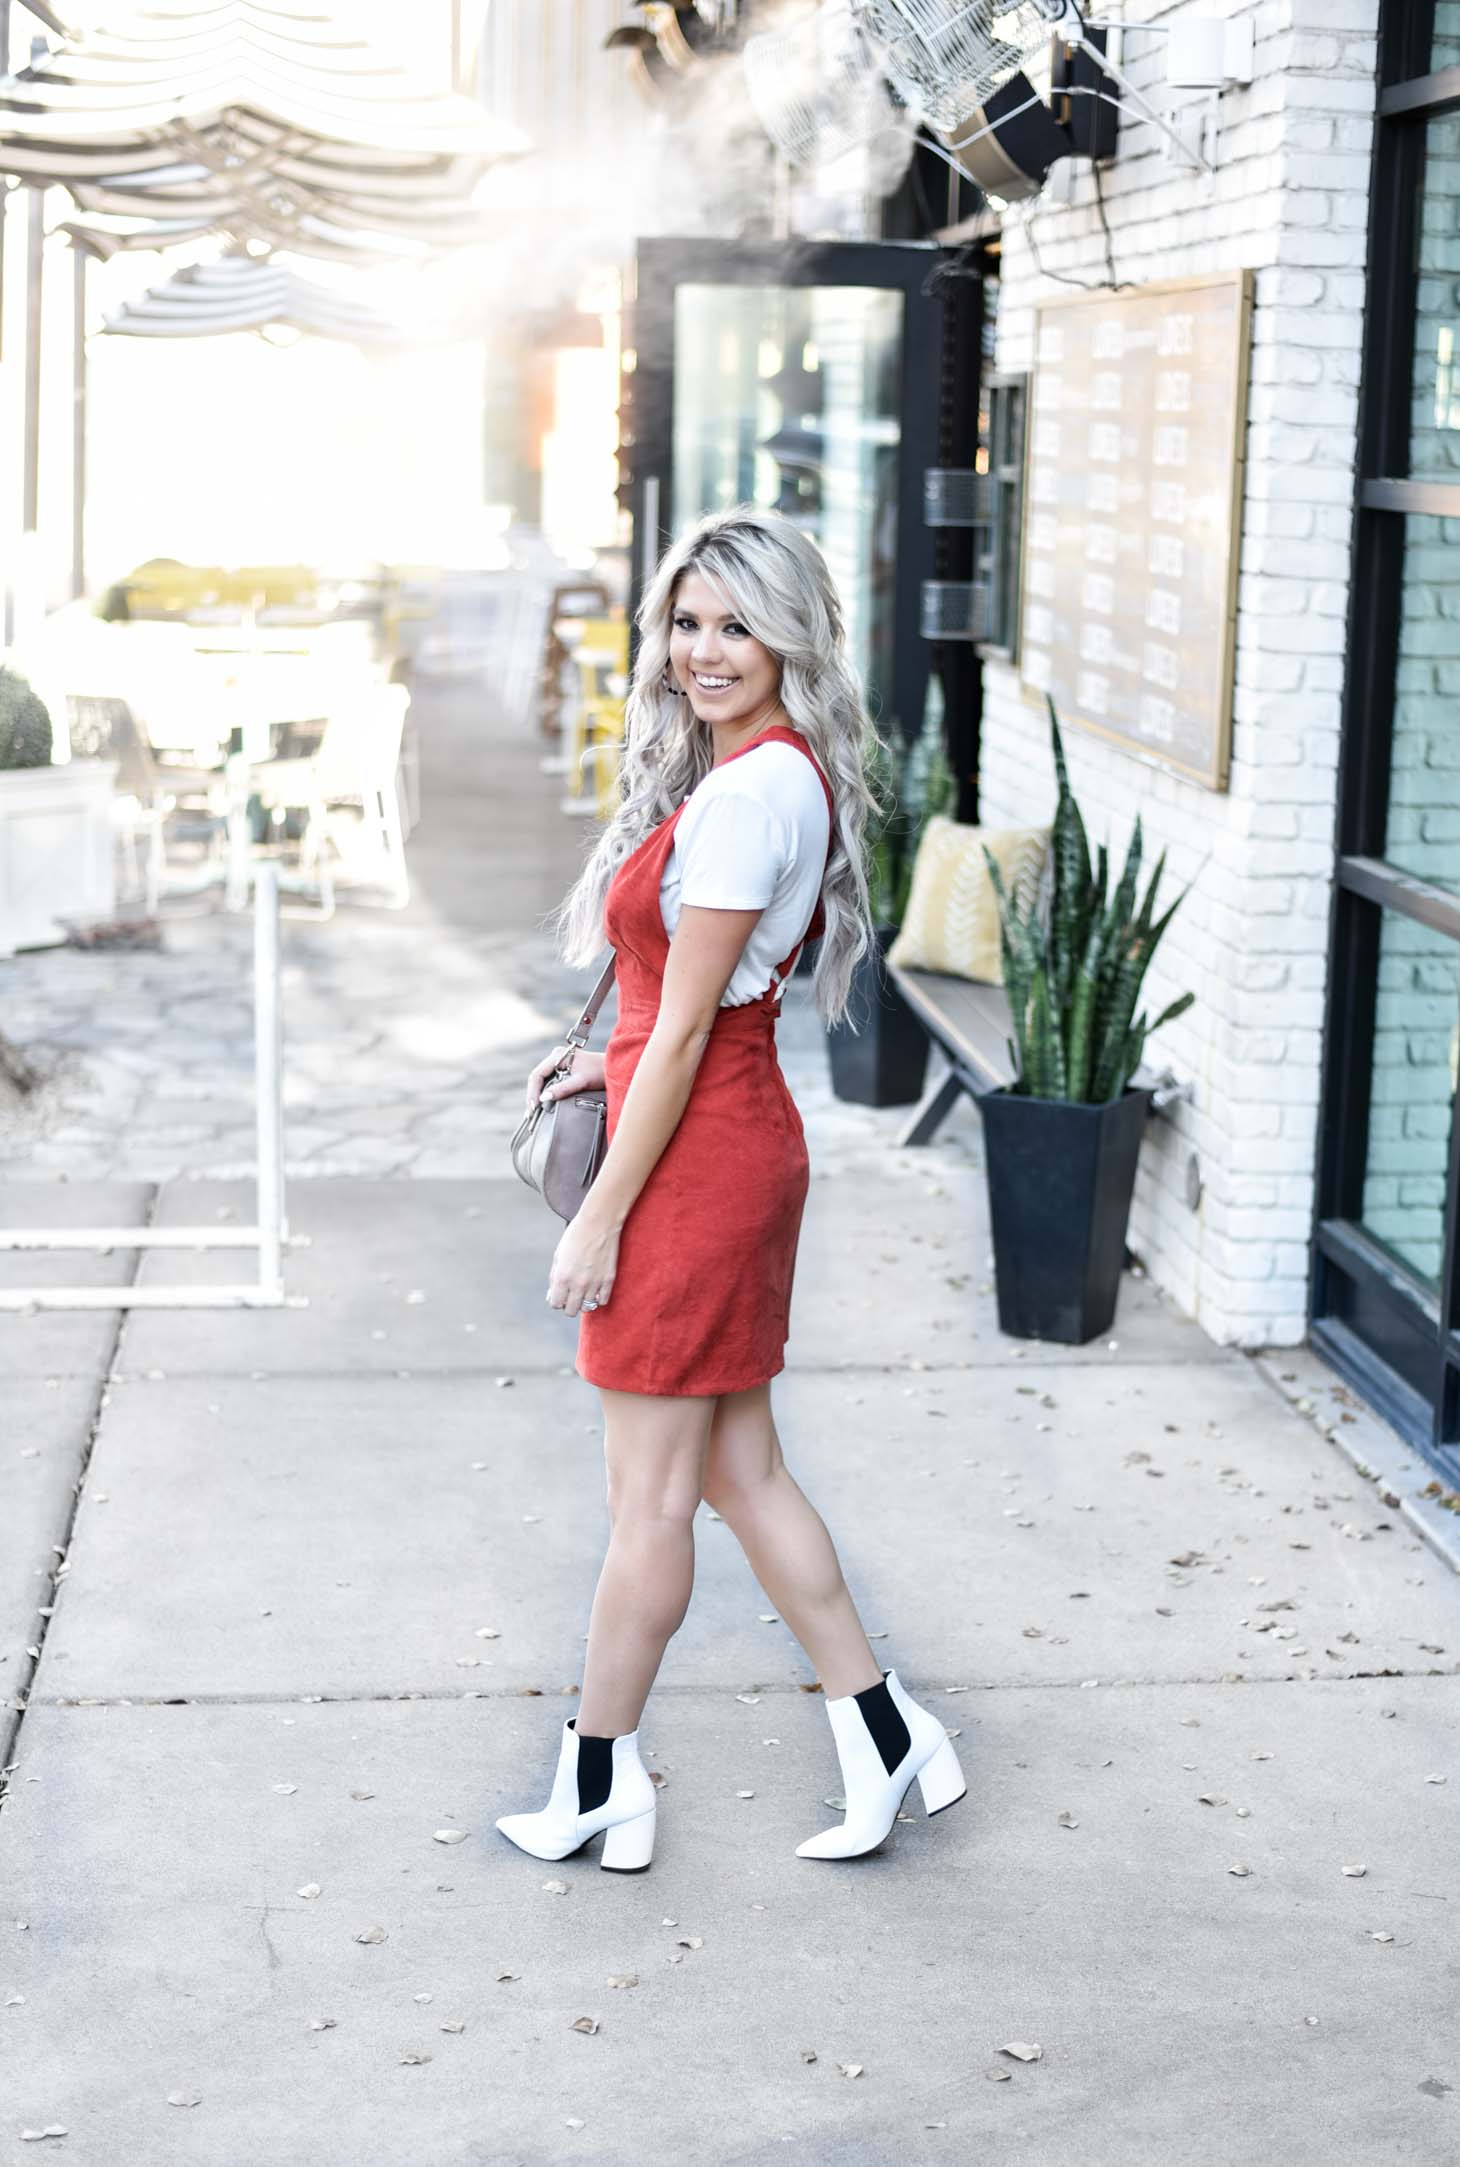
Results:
[572, 1816]
[884, 1740]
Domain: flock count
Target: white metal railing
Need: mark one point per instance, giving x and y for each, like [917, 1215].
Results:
[269, 1236]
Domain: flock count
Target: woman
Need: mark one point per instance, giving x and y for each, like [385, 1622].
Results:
[738, 838]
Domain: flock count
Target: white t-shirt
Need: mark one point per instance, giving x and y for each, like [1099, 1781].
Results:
[752, 836]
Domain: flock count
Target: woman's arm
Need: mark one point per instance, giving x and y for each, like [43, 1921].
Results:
[706, 947]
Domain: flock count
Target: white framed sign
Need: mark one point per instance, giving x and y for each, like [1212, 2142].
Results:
[1132, 515]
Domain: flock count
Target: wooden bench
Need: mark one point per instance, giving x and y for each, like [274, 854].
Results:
[969, 1022]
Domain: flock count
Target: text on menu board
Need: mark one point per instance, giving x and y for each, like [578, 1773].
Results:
[1132, 513]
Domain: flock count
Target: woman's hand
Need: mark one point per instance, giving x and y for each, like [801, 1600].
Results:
[584, 1262]
[587, 1073]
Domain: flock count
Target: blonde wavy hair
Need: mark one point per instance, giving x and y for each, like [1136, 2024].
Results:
[774, 579]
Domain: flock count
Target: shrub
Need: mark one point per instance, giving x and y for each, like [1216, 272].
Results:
[25, 724]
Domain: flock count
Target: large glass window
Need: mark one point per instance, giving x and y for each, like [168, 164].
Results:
[788, 397]
[1386, 1298]
[1445, 37]
[1412, 1094]
[1435, 412]
[1423, 825]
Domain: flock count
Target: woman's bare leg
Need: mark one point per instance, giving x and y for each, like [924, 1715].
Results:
[654, 1452]
[785, 1539]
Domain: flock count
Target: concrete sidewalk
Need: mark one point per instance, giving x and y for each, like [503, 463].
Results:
[327, 1573]
[325, 1594]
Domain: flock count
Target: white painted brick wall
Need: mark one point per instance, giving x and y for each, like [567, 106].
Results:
[1290, 201]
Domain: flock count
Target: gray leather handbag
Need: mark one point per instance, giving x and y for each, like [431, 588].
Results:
[558, 1145]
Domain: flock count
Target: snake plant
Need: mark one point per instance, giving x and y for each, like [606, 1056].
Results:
[911, 783]
[1073, 972]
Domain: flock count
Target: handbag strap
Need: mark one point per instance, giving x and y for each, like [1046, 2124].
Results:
[578, 1036]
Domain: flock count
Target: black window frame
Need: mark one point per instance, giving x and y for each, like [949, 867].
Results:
[1382, 1326]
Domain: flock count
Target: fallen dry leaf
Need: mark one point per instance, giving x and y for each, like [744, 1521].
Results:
[584, 2024]
[623, 1978]
[362, 1794]
[310, 1888]
[285, 1790]
[574, 2121]
[1067, 1819]
[372, 1934]
[808, 2054]
[52, 2129]
[323, 2024]
[508, 1975]
[998, 2076]
[183, 2099]
[1381, 1937]
[1355, 1873]
[453, 2024]
[449, 1835]
[414, 2061]
[1023, 2051]
[850, 2069]
[555, 1888]
[1240, 1871]
[691, 1941]
[745, 1794]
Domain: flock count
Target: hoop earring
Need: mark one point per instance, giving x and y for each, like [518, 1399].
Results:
[669, 685]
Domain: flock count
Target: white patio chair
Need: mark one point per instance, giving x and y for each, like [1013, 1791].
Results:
[148, 795]
[349, 791]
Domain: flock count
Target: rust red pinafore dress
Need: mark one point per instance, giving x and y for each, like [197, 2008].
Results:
[701, 1299]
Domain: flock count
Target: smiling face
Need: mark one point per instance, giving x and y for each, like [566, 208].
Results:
[732, 680]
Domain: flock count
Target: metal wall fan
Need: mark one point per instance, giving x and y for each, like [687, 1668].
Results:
[963, 62]
[820, 89]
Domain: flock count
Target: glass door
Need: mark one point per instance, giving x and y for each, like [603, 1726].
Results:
[803, 377]
[1386, 1285]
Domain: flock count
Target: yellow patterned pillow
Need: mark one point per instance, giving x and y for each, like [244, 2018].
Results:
[952, 917]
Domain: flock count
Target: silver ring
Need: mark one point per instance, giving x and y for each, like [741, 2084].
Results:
[590, 1305]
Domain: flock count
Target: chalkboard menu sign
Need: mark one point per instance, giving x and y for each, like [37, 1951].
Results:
[1132, 515]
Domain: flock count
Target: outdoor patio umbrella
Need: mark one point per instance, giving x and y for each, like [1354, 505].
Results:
[240, 292]
[269, 122]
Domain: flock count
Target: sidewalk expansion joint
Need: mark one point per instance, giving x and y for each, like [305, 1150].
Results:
[1192, 1682]
[12, 1720]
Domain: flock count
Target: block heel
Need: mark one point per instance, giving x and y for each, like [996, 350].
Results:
[598, 1789]
[629, 1845]
[940, 1779]
[884, 1738]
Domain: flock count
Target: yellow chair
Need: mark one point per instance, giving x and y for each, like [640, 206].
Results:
[608, 744]
[600, 652]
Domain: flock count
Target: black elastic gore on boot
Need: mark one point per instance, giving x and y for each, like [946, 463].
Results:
[883, 1719]
[595, 1769]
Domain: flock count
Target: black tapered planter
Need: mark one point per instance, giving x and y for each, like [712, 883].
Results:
[885, 1062]
[1061, 1177]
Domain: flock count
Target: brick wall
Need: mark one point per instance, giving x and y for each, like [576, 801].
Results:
[1290, 201]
